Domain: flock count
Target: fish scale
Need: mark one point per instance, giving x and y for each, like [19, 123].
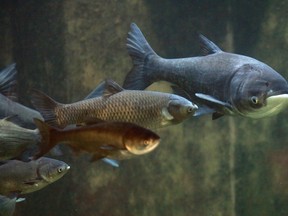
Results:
[116, 108]
[148, 109]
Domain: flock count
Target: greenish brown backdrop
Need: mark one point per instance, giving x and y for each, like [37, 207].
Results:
[228, 167]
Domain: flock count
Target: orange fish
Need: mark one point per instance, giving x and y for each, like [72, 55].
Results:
[115, 140]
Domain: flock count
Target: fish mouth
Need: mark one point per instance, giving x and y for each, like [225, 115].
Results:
[274, 105]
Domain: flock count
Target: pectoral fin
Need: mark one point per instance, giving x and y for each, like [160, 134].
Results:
[32, 182]
[20, 199]
[112, 162]
[203, 110]
[212, 100]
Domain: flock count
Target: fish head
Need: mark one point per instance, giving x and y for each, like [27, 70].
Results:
[51, 170]
[258, 91]
[179, 109]
[138, 140]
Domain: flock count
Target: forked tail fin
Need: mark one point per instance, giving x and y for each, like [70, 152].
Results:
[45, 131]
[139, 49]
[46, 106]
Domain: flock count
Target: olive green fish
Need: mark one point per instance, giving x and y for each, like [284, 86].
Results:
[148, 109]
[115, 140]
[15, 140]
[18, 177]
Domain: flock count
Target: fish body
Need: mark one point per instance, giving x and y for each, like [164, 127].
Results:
[8, 100]
[7, 205]
[145, 108]
[23, 115]
[15, 140]
[25, 177]
[104, 139]
[220, 83]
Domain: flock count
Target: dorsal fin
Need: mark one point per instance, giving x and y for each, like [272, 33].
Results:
[98, 91]
[111, 87]
[207, 46]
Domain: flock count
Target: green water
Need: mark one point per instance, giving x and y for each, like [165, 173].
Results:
[228, 167]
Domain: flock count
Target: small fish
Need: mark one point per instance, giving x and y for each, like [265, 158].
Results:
[145, 108]
[103, 139]
[220, 83]
[7, 205]
[8, 106]
[25, 177]
[15, 140]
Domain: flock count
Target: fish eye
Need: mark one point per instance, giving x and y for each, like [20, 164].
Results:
[254, 100]
[146, 143]
[190, 109]
[59, 170]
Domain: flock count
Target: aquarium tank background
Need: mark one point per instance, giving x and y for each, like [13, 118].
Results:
[232, 166]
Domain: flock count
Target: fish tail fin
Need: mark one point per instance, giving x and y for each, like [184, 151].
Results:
[8, 82]
[45, 131]
[46, 106]
[138, 49]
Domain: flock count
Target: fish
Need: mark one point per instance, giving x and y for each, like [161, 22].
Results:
[7, 204]
[9, 105]
[23, 115]
[8, 82]
[220, 83]
[16, 140]
[105, 139]
[18, 177]
[148, 109]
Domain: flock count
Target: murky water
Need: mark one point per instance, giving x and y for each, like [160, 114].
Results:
[231, 166]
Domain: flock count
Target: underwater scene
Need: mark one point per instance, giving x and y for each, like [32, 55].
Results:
[127, 108]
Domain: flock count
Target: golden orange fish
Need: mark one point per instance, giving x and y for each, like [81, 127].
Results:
[115, 140]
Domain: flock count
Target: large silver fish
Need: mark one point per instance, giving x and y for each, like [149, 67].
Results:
[220, 83]
[145, 108]
[8, 97]
[15, 140]
[25, 177]
[116, 140]
[7, 205]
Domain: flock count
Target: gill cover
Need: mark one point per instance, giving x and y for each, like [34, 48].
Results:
[253, 88]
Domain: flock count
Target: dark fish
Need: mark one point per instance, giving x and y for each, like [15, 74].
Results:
[220, 83]
[25, 177]
[15, 140]
[8, 82]
[23, 115]
[8, 106]
[7, 205]
[116, 140]
[145, 108]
